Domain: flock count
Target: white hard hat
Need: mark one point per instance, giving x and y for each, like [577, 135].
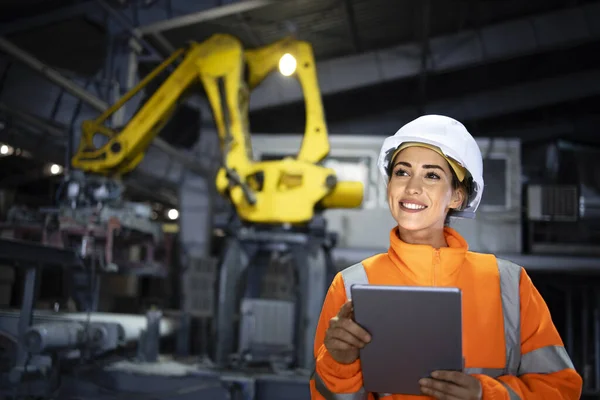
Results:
[453, 140]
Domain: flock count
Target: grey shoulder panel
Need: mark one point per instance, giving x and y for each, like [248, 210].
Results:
[354, 275]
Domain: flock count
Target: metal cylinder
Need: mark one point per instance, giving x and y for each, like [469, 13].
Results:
[54, 336]
[152, 339]
[589, 206]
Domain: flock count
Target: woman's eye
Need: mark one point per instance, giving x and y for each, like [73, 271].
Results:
[400, 172]
[432, 175]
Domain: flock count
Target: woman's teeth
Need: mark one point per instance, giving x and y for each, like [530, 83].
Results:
[413, 206]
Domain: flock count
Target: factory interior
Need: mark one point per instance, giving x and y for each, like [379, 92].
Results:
[154, 245]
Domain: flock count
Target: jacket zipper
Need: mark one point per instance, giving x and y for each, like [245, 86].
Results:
[436, 263]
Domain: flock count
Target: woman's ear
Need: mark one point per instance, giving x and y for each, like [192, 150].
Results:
[458, 198]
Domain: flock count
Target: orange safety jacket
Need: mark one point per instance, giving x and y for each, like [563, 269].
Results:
[510, 343]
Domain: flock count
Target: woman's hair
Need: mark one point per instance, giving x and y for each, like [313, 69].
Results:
[465, 187]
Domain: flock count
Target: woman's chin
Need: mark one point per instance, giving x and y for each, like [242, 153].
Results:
[417, 223]
[410, 225]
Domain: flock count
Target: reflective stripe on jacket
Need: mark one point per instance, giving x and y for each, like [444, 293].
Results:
[509, 341]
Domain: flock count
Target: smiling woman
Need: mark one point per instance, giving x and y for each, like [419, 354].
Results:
[422, 189]
[433, 170]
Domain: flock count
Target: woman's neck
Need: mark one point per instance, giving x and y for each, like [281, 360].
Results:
[431, 237]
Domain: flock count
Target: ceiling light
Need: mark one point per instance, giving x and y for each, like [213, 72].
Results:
[56, 169]
[287, 64]
[6, 150]
[173, 214]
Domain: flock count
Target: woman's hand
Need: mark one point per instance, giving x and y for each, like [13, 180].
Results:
[451, 385]
[344, 337]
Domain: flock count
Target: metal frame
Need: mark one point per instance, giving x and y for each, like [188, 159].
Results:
[310, 251]
[32, 257]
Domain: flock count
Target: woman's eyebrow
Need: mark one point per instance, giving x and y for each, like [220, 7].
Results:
[433, 166]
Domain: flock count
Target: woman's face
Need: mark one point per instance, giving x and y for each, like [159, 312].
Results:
[420, 191]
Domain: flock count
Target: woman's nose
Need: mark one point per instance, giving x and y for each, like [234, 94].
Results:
[413, 186]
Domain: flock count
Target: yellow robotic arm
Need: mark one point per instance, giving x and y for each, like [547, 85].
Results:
[262, 61]
[280, 191]
[124, 150]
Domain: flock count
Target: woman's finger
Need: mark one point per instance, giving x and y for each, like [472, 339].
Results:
[346, 336]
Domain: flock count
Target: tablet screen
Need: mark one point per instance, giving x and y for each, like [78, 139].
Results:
[415, 330]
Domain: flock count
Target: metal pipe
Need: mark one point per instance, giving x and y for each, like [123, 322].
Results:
[100, 105]
[53, 336]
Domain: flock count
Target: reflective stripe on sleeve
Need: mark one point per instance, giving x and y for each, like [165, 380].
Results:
[545, 360]
[491, 372]
[329, 395]
[354, 275]
[512, 395]
[510, 277]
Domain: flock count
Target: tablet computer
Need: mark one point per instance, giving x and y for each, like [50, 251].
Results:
[414, 330]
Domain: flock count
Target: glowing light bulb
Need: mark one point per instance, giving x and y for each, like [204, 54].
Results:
[55, 169]
[173, 214]
[287, 64]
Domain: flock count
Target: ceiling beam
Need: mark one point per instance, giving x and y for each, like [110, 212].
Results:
[521, 97]
[554, 128]
[159, 16]
[494, 103]
[517, 38]
[208, 14]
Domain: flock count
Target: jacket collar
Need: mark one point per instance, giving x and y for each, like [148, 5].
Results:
[425, 265]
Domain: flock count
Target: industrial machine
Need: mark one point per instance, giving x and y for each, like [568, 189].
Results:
[49, 353]
[563, 208]
[278, 203]
[257, 189]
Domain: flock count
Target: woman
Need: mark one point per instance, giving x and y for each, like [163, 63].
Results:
[433, 169]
